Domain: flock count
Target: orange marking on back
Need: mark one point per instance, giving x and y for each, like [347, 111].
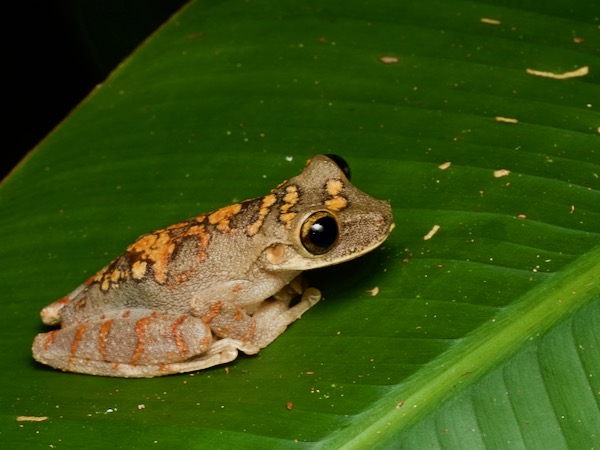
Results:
[265, 207]
[179, 341]
[140, 332]
[104, 329]
[156, 248]
[99, 276]
[126, 314]
[291, 198]
[138, 269]
[108, 277]
[237, 288]
[143, 244]
[286, 218]
[336, 203]
[62, 301]
[177, 226]
[115, 275]
[221, 217]
[76, 340]
[334, 189]
[203, 238]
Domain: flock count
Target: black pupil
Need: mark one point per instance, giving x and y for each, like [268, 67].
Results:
[323, 232]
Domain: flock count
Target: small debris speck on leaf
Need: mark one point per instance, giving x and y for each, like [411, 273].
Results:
[373, 291]
[506, 119]
[389, 59]
[490, 21]
[31, 418]
[431, 233]
[581, 72]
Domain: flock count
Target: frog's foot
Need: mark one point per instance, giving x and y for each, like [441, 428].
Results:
[132, 343]
[220, 352]
[274, 315]
[51, 314]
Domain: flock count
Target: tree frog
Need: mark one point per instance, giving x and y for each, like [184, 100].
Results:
[192, 295]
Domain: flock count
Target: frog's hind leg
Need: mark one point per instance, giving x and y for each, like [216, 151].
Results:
[131, 343]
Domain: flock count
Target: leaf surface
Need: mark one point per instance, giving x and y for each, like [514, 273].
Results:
[482, 336]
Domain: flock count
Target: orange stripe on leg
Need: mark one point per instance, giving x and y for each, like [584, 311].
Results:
[213, 312]
[104, 329]
[49, 339]
[179, 341]
[239, 315]
[76, 340]
[140, 332]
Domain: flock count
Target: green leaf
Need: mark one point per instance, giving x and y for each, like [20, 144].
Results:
[483, 336]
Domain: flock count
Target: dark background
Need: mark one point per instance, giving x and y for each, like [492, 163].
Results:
[57, 51]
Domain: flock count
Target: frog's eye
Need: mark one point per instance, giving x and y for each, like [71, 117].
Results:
[319, 232]
[341, 163]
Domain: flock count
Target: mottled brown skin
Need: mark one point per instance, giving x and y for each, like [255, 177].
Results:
[190, 296]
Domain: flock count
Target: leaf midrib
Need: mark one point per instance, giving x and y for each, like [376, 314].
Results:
[534, 314]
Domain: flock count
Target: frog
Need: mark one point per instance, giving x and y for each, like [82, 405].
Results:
[194, 294]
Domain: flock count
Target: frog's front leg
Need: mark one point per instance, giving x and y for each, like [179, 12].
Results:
[268, 322]
[250, 333]
[274, 315]
[131, 343]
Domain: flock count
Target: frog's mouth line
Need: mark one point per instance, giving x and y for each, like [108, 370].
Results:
[372, 247]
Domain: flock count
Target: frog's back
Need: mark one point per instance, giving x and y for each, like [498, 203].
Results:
[164, 269]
